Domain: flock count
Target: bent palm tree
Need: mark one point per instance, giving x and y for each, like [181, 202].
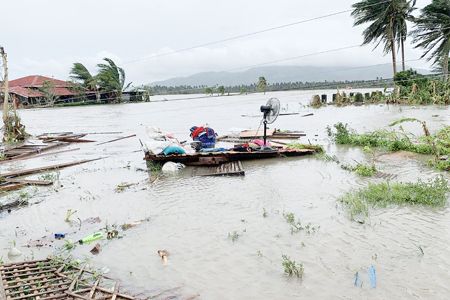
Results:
[432, 33]
[111, 78]
[79, 73]
[387, 23]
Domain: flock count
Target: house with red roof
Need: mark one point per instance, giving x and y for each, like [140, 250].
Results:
[39, 90]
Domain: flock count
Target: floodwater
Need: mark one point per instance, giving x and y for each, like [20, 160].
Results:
[191, 217]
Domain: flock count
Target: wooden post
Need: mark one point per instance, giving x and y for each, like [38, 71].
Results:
[5, 83]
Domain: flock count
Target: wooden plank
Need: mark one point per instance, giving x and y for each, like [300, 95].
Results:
[29, 181]
[255, 133]
[10, 187]
[117, 139]
[46, 168]
[38, 155]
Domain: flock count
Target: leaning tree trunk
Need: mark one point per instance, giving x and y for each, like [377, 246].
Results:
[392, 42]
[403, 53]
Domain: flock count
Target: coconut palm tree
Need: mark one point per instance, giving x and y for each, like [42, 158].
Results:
[111, 78]
[432, 33]
[80, 74]
[387, 23]
[405, 11]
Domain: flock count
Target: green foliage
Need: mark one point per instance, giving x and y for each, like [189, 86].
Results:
[408, 78]
[69, 245]
[316, 101]
[430, 193]
[291, 267]
[69, 215]
[111, 78]
[49, 176]
[48, 90]
[209, 91]
[364, 170]
[387, 21]
[233, 236]
[296, 225]
[432, 32]
[13, 129]
[80, 74]
[390, 140]
[221, 90]
[359, 98]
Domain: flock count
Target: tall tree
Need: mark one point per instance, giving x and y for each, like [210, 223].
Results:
[262, 84]
[111, 78]
[404, 13]
[432, 33]
[387, 21]
[80, 74]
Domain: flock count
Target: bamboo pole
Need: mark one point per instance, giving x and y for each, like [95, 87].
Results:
[5, 84]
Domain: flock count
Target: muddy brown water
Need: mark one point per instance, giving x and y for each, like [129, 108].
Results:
[191, 217]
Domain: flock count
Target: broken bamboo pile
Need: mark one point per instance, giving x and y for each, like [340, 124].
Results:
[56, 279]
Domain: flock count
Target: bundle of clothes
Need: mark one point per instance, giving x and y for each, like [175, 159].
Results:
[204, 136]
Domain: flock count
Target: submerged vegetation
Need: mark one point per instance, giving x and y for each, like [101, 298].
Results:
[299, 146]
[430, 193]
[396, 140]
[365, 170]
[292, 268]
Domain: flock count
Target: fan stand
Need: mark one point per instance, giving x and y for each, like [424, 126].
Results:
[264, 147]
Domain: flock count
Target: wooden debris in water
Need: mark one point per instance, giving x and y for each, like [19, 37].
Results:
[28, 181]
[67, 137]
[117, 139]
[26, 150]
[52, 279]
[234, 168]
[44, 169]
[248, 135]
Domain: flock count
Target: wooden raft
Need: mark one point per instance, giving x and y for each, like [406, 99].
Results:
[218, 158]
[47, 279]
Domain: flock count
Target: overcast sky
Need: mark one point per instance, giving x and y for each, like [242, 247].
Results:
[46, 36]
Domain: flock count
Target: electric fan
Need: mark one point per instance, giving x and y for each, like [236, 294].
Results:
[270, 113]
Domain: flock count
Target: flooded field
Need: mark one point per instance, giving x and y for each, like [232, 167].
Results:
[194, 218]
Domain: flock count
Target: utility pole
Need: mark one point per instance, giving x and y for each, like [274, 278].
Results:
[5, 83]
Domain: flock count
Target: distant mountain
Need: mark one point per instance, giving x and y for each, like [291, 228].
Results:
[275, 74]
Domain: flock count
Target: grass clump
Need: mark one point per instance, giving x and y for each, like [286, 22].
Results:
[429, 193]
[299, 146]
[291, 267]
[296, 225]
[396, 140]
[364, 170]
[233, 236]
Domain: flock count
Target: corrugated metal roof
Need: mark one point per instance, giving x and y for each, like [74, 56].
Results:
[38, 81]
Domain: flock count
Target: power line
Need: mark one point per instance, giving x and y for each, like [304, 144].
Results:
[240, 36]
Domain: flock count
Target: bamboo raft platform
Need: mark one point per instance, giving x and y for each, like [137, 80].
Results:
[218, 158]
[52, 279]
